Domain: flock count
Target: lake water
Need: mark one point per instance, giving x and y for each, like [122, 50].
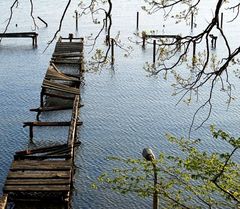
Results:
[124, 110]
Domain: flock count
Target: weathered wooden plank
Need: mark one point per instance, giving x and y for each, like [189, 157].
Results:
[21, 35]
[60, 96]
[41, 150]
[66, 61]
[17, 165]
[37, 188]
[41, 157]
[64, 54]
[72, 127]
[42, 163]
[54, 73]
[60, 87]
[37, 182]
[38, 175]
[43, 123]
[46, 109]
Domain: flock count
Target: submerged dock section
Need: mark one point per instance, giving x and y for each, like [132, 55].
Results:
[43, 177]
[32, 35]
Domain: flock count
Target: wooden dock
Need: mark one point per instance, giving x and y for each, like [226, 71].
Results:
[32, 35]
[44, 176]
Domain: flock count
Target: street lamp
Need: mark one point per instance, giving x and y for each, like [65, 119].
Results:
[149, 156]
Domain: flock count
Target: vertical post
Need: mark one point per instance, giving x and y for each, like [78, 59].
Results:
[70, 36]
[35, 40]
[137, 20]
[144, 39]
[154, 51]
[41, 97]
[221, 20]
[76, 12]
[31, 132]
[194, 53]
[112, 50]
[192, 21]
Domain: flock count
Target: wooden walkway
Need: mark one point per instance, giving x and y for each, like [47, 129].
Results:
[32, 35]
[45, 175]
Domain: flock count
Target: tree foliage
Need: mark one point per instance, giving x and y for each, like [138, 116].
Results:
[205, 67]
[192, 179]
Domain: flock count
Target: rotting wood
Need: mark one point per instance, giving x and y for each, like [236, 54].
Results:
[41, 157]
[44, 149]
[32, 35]
[59, 96]
[38, 175]
[49, 170]
[41, 123]
[37, 188]
[60, 87]
[53, 108]
[38, 182]
[73, 126]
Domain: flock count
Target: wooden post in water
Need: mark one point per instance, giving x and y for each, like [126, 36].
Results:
[194, 53]
[112, 51]
[76, 13]
[41, 97]
[221, 20]
[154, 51]
[137, 20]
[144, 39]
[31, 133]
[43, 21]
[70, 36]
[192, 21]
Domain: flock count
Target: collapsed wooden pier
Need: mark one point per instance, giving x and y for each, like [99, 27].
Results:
[43, 177]
[32, 35]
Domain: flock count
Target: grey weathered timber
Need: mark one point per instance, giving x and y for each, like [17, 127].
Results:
[46, 173]
[32, 35]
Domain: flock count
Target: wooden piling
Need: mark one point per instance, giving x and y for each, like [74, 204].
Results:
[31, 133]
[112, 51]
[70, 36]
[154, 51]
[76, 13]
[137, 20]
[41, 97]
[192, 21]
[194, 53]
[43, 21]
[144, 39]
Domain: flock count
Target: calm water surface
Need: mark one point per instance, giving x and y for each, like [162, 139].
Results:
[124, 109]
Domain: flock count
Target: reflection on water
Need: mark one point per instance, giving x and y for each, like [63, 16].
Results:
[124, 110]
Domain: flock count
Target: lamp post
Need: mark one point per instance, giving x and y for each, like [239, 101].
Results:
[149, 156]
